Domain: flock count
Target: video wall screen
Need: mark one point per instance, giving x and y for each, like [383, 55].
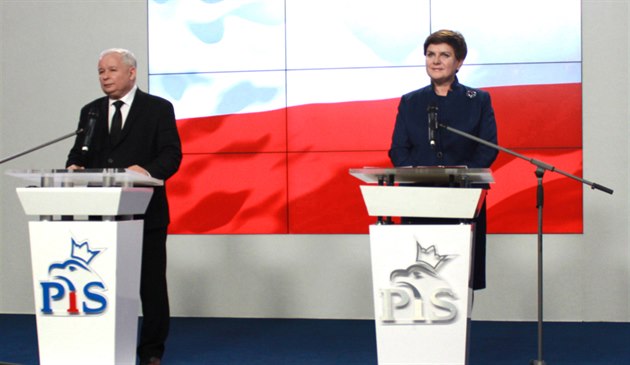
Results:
[277, 99]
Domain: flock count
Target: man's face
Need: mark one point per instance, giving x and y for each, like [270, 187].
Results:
[116, 77]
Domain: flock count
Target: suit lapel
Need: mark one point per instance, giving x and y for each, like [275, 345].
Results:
[102, 123]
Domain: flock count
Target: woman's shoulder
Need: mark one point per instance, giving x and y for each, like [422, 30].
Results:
[423, 92]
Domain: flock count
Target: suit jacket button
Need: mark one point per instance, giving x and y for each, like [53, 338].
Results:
[110, 161]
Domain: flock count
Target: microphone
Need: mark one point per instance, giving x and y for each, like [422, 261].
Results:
[89, 130]
[432, 110]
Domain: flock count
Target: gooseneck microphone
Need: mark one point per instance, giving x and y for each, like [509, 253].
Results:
[432, 111]
[89, 130]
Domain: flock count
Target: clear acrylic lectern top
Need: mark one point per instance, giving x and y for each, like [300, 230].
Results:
[426, 192]
[462, 176]
[87, 177]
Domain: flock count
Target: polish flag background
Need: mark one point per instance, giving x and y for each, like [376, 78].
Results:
[277, 100]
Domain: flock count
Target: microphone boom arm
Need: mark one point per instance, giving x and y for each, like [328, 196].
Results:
[7, 159]
[537, 163]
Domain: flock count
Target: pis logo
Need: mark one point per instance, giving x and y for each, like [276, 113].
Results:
[418, 294]
[73, 287]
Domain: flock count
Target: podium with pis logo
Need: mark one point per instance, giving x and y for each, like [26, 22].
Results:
[421, 273]
[86, 250]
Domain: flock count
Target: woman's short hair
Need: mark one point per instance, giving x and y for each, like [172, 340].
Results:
[450, 37]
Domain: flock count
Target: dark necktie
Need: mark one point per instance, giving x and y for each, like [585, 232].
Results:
[114, 132]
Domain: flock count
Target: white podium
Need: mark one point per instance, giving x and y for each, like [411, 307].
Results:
[421, 274]
[86, 253]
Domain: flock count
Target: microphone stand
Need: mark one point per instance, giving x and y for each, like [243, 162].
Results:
[7, 159]
[541, 168]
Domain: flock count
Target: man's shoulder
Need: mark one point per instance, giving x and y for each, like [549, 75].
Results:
[95, 104]
[150, 98]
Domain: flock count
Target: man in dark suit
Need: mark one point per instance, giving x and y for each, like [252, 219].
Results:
[139, 134]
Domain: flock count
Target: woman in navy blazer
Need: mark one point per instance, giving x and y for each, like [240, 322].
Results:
[458, 106]
[148, 143]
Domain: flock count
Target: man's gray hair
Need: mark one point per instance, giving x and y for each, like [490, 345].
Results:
[127, 56]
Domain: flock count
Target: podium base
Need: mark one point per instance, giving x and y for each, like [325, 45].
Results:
[422, 299]
[86, 283]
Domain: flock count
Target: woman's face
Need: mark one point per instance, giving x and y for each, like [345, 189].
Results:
[441, 63]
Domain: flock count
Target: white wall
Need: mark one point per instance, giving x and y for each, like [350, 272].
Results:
[48, 54]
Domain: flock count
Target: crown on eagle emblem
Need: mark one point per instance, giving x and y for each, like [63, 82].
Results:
[430, 256]
[82, 252]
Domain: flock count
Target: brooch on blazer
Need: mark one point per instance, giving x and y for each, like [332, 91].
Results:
[471, 94]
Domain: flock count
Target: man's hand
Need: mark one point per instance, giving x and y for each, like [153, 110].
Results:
[139, 169]
[75, 167]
